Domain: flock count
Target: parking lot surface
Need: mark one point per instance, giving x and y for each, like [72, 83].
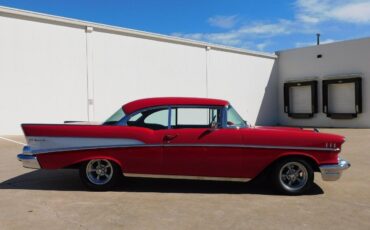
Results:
[41, 199]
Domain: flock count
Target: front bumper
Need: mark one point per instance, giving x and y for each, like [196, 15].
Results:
[333, 172]
[29, 161]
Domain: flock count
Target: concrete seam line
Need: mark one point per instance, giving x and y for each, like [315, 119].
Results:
[10, 140]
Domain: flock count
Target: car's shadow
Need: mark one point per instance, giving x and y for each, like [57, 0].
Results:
[68, 180]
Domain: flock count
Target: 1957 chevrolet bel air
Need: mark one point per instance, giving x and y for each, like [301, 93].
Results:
[184, 138]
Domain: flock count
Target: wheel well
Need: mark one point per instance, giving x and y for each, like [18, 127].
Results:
[267, 171]
[309, 160]
[78, 164]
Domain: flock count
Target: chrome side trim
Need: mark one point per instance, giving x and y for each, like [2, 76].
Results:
[334, 172]
[254, 146]
[29, 161]
[186, 177]
[45, 142]
[43, 151]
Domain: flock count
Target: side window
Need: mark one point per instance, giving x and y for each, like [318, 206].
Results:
[195, 117]
[233, 118]
[192, 116]
[135, 117]
[152, 119]
[159, 117]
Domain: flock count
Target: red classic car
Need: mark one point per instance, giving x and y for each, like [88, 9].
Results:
[183, 138]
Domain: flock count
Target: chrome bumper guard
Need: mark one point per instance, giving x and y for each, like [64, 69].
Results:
[29, 161]
[333, 172]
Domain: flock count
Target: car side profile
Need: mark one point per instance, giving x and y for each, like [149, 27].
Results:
[184, 138]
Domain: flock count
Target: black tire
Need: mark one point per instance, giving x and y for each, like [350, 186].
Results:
[286, 179]
[107, 182]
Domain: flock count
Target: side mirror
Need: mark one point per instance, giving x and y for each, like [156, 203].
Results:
[229, 123]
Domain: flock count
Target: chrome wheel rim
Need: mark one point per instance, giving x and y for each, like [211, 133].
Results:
[99, 171]
[293, 176]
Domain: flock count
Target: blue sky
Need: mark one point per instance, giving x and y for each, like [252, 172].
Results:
[257, 25]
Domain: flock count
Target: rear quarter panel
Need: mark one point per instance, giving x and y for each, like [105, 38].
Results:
[131, 160]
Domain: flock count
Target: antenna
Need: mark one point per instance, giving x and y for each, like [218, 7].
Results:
[318, 38]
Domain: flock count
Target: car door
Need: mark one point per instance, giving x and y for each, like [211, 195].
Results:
[149, 126]
[196, 145]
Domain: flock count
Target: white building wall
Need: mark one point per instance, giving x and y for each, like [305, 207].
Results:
[128, 68]
[248, 82]
[50, 67]
[338, 59]
[42, 73]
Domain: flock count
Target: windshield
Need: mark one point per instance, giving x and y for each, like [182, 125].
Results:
[117, 116]
[233, 118]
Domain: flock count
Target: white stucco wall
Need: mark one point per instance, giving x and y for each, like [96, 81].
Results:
[138, 68]
[338, 59]
[42, 73]
[248, 82]
[145, 68]
[128, 68]
[50, 68]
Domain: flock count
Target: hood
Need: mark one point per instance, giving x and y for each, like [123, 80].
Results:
[288, 136]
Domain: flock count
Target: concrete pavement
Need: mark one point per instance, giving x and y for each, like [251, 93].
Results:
[41, 199]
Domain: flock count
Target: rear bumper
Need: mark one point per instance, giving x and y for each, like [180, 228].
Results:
[29, 161]
[333, 172]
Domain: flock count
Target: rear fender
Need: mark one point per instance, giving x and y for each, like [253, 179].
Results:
[60, 160]
[86, 159]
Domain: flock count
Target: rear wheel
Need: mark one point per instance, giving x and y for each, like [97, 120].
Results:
[292, 176]
[100, 174]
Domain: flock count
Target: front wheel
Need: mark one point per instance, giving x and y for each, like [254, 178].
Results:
[292, 176]
[100, 174]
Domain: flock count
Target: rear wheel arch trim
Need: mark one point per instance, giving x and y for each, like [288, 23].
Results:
[87, 159]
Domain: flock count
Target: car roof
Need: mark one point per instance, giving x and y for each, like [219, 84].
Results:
[163, 101]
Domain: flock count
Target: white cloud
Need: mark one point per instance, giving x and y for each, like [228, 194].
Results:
[311, 16]
[355, 13]
[304, 44]
[315, 11]
[262, 46]
[225, 22]
[241, 36]
[267, 29]
[308, 19]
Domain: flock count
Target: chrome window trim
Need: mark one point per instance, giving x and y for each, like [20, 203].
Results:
[169, 117]
[224, 116]
[123, 121]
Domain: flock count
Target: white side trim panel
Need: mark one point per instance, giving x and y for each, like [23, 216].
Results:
[187, 177]
[52, 143]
